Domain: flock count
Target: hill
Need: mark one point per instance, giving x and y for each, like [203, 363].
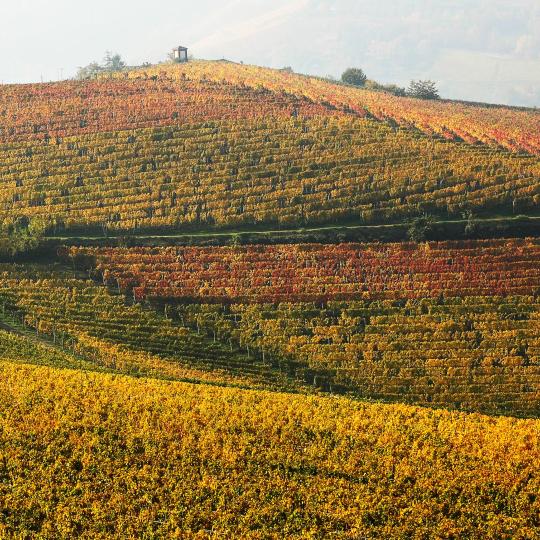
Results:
[222, 146]
[218, 146]
[83, 318]
[224, 333]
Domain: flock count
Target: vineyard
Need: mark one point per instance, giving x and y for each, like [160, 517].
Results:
[166, 153]
[289, 172]
[89, 320]
[163, 375]
[513, 129]
[126, 458]
[318, 273]
[479, 354]
[40, 112]
[452, 323]
[18, 349]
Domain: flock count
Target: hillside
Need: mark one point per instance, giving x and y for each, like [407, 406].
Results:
[217, 146]
[88, 320]
[266, 306]
[499, 126]
[222, 146]
[453, 324]
[101, 456]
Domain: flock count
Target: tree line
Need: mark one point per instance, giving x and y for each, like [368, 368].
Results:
[423, 89]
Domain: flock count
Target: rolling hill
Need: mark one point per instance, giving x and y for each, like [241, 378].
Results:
[222, 146]
[198, 350]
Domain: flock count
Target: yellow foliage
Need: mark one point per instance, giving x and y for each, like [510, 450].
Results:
[91, 455]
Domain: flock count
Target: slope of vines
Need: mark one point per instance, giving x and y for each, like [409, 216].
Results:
[476, 353]
[125, 458]
[516, 130]
[33, 112]
[220, 145]
[89, 452]
[85, 318]
[454, 324]
[292, 171]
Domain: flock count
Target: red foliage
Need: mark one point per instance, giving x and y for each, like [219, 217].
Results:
[307, 273]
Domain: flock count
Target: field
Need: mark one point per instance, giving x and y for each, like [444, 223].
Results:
[100, 456]
[162, 377]
[143, 154]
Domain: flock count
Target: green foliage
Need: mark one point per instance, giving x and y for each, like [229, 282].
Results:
[354, 76]
[91, 71]
[419, 228]
[21, 349]
[236, 240]
[423, 90]
[111, 63]
[21, 236]
[393, 89]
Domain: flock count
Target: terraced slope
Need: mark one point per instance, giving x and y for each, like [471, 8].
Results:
[291, 172]
[454, 324]
[476, 353]
[20, 349]
[318, 273]
[34, 112]
[183, 149]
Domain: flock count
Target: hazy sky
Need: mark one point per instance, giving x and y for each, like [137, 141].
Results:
[486, 50]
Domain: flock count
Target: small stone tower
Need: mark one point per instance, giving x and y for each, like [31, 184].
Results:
[180, 54]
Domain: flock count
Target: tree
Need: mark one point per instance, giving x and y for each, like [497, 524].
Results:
[113, 62]
[471, 226]
[419, 228]
[90, 71]
[423, 90]
[394, 89]
[236, 240]
[22, 235]
[354, 76]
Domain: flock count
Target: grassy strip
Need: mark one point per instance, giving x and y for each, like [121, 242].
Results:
[484, 228]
